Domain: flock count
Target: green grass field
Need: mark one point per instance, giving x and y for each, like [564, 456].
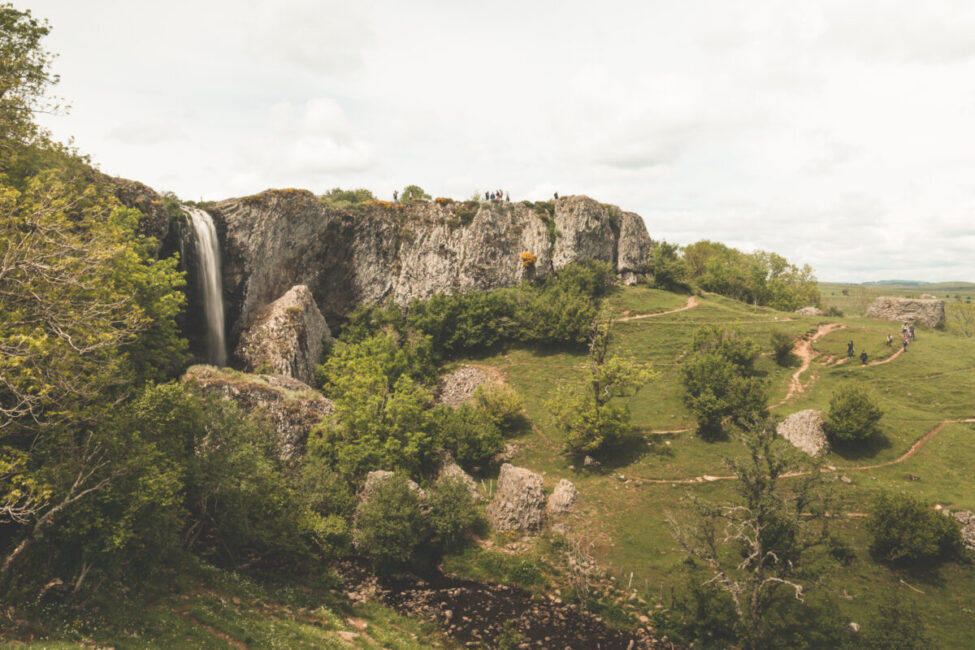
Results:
[626, 501]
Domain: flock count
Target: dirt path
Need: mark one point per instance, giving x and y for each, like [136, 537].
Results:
[691, 304]
[854, 468]
[804, 350]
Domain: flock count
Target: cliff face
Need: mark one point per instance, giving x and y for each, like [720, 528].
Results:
[277, 239]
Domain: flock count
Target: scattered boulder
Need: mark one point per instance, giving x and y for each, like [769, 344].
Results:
[928, 312]
[507, 454]
[804, 430]
[928, 296]
[590, 463]
[809, 311]
[450, 468]
[519, 503]
[379, 476]
[563, 498]
[292, 406]
[286, 337]
[967, 520]
[458, 386]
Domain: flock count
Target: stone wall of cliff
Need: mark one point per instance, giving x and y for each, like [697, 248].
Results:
[277, 239]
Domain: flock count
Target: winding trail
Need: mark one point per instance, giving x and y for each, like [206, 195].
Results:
[853, 468]
[804, 350]
[691, 304]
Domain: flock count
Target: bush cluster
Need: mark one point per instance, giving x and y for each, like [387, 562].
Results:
[905, 530]
[852, 416]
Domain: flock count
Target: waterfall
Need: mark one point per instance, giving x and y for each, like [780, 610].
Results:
[208, 253]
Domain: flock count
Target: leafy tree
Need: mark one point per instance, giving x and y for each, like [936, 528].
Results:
[719, 380]
[388, 524]
[414, 193]
[763, 549]
[347, 198]
[852, 416]
[583, 412]
[666, 266]
[904, 530]
[453, 511]
[25, 76]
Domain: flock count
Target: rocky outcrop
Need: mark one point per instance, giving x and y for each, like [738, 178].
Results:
[380, 476]
[809, 311]
[133, 194]
[277, 239]
[519, 503]
[286, 337]
[804, 430]
[967, 520]
[914, 310]
[563, 498]
[290, 405]
[450, 469]
[458, 386]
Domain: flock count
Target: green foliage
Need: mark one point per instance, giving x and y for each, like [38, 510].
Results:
[503, 407]
[468, 434]
[666, 266]
[904, 530]
[340, 198]
[453, 511]
[782, 343]
[896, 626]
[414, 193]
[852, 417]
[583, 412]
[388, 524]
[760, 278]
[25, 76]
[719, 380]
[467, 210]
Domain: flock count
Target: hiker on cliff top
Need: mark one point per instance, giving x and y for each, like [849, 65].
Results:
[556, 195]
[849, 350]
[486, 195]
[890, 339]
[395, 196]
[863, 358]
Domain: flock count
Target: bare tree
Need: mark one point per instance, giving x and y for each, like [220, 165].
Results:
[756, 549]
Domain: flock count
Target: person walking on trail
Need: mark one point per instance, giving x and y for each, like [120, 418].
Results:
[905, 342]
[911, 329]
[890, 339]
[863, 358]
[849, 350]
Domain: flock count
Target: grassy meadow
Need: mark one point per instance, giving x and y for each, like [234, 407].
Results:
[625, 502]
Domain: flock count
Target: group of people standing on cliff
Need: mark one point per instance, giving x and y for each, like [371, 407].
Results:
[498, 195]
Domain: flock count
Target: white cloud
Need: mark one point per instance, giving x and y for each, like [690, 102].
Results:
[838, 133]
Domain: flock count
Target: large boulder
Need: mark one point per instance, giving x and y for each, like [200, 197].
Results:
[286, 337]
[563, 498]
[633, 248]
[519, 503]
[929, 312]
[450, 469]
[804, 430]
[290, 405]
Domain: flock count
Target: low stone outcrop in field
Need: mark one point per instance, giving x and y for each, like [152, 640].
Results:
[928, 312]
[804, 430]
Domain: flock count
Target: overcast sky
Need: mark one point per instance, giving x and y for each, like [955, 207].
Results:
[839, 134]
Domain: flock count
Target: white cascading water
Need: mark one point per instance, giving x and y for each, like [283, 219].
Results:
[208, 253]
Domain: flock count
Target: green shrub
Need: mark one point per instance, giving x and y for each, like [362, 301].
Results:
[905, 530]
[388, 525]
[503, 407]
[468, 434]
[782, 343]
[453, 511]
[896, 626]
[852, 416]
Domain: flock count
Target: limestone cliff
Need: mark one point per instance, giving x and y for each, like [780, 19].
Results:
[277, 239]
